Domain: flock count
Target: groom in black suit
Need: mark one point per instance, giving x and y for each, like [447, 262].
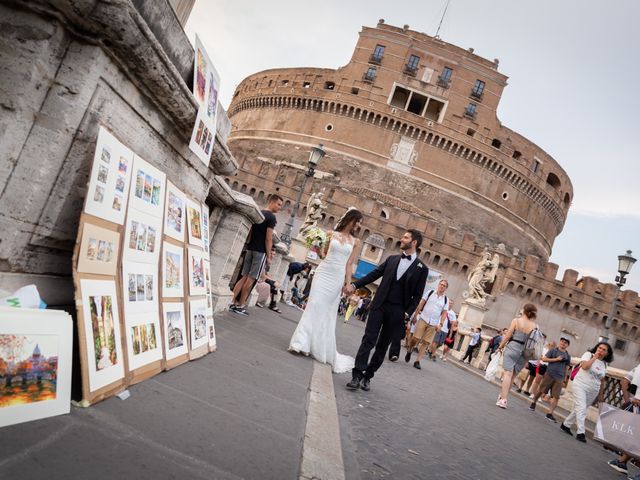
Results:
[403, 280]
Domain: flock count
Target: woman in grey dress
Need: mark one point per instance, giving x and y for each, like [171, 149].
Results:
[512, 346]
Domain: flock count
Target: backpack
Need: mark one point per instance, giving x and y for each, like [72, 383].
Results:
[533, 345]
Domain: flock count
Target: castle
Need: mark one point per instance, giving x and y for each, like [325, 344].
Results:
[413, 140]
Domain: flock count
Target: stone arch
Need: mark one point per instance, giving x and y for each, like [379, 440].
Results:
[455, 267]
[464, 270]
[633, 332]
[426, 256]
[227, 180]
[235, 185]
[332, 221]
[445, 263]
[509, 287]
[547, 300]
[519, 290]
[243, 188]
[436, 259]
[252, 191]
[388, 243]
[287, 204]
[261, 196]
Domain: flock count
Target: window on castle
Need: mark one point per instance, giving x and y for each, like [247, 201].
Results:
[285, 83]
[400, 97]
[329, 85]
[445, 77]
[378, 53]
[417, 103]
[355, 90]
[306, 84]
[384, 214]
[620, 345]
[495, 143]
[535, 166]
[370, 74]
[478, 89]
[516, 154]
[413, 62]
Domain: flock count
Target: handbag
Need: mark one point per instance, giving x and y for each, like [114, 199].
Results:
[448, 341]
[619, 429]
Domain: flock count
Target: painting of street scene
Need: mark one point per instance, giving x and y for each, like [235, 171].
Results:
[28, 368]
[101, 307]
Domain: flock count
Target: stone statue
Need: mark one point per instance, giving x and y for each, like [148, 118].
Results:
[484, 273]
[315, 208]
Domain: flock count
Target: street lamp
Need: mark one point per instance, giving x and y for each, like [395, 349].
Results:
[314, 157]
[625, 262]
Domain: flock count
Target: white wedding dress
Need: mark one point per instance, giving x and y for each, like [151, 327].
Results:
[315, 334]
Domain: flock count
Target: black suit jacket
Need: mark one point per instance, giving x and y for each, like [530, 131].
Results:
[413, 280]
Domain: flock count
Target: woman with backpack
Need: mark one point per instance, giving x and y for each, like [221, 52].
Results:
[587, 385]
[513, 346]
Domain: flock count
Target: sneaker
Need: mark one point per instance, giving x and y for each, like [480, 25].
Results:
[565, 429]
[502, 403]
[532, 407]
[618, 466]
[551, 418]
[417, 365]
[581, 438]
[394, 358]
[260, 305]
[232, 307]
[433, 358]
[240, 311]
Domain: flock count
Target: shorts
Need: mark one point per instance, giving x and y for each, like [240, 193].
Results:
[535, 370]
[253, 263]
[438, 339]
[424, 331]
[548, 382]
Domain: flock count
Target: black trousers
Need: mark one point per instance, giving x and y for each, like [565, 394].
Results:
[383, 325]
[469, 354]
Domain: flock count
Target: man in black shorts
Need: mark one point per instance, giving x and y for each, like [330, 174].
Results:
[256, 256]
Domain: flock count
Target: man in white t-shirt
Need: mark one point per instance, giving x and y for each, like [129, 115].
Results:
[428, 319]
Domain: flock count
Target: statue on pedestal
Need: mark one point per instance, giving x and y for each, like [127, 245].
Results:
[315, 208]
[483, 273]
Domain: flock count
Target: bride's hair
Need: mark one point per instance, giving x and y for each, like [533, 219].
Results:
[349, 218]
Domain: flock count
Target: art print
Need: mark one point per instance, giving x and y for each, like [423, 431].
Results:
[175, 215]
[35, 364]
[197, 285]
[198, 323]
[211, 331]
[143, 338]
[147, 190]
[109, 180]
[140, 287]
[194, 222]
[175, 328]
[202, 137]
[102, 332]
[172, 271]
[205, 230]
[142, 237]
[98, 250]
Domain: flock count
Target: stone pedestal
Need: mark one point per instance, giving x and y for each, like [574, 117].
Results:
[226, 247]
[472, 314]
[301, 253]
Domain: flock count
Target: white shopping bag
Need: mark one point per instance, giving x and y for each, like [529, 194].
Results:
[494, 367]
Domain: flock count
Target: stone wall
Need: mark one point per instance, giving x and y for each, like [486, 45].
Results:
[66, 68]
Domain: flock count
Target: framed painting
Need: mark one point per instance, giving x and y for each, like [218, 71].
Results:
[143, 338]
[194, 221]
[147, 188]
[105, 362]
[206, 83]
[140, 287]
[203, 137]
[143, 233]
[175, 330]
[205, 230]
[172, 270]
[98, 250]
[110, 178]
[198, 323]
[175, 213]
[36, 349]
[197, 283]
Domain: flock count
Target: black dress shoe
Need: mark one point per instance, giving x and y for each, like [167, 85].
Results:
[417, 365]
[354, 384]
[364, 384]
[581, 438]
[407, 357]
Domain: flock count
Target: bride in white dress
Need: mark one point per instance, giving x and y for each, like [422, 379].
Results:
[316, 331]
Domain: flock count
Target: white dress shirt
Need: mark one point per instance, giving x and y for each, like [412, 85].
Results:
[404, 265]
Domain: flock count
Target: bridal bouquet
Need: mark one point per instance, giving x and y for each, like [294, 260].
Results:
[314, 239]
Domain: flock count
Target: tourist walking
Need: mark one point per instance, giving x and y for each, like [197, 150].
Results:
[258, 254]
[403, 279]
[452, 326]
[353, 305]
[443, 334]
[512, 345]
[315, 334]
[428, 319]
[587, 386]
[494, 343]
[558, 361]
[473, 344]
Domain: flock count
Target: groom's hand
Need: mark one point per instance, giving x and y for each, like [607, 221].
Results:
[349, 289]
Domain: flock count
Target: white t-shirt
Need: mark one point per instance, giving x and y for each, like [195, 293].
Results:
[633, 376]
[451, 317]
[433, 308]
[591, 378]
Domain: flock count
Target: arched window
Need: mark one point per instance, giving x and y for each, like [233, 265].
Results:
[553, 180]
[384, 214]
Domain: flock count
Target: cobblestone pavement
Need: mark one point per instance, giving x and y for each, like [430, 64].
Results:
[441, 422]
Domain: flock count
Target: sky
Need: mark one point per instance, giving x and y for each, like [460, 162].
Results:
[573, 70]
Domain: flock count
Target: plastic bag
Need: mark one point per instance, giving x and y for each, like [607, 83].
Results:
[491, 372]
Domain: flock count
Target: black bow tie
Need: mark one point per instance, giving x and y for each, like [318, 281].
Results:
[405, 257]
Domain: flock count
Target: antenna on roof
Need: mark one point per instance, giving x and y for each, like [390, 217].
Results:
[441, 20]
